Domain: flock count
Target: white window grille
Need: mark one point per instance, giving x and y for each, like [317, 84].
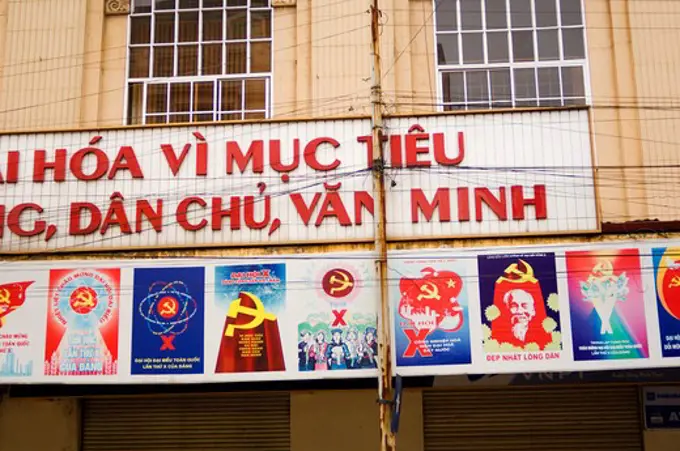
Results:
[199, 60]
[510, 53]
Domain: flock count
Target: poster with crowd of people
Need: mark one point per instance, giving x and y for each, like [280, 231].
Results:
[487, 311]
[337, 325]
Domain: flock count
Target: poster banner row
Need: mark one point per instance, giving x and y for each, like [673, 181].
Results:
[507, 310]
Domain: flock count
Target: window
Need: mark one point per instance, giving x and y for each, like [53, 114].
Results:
[510, 53]
[199, 60]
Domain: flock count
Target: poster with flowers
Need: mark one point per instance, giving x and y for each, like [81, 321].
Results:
[520, 307]
[606, 302]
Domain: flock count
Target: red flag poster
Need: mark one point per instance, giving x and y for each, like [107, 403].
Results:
[82, 322]
[12, 296]
[15, 336]
[253, 296]
[432, 324]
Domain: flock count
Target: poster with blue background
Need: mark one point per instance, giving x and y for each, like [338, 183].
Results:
[607, 306]
[430, 308]
[167, 321]
[520, 307]
[667, 277]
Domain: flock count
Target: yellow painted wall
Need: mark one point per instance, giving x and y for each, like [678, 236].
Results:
[63, 62]
[355, 413]
[311, 415]
[616, 137]
[39, 424]
[635, 66]
[322, 58]
[662, 440]
[654, 34]
[111, 105]
[42, 64]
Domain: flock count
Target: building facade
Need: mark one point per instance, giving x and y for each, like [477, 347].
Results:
[514, 127]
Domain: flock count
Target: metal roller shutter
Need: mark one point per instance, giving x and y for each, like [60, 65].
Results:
[189, 423]
[555, 419]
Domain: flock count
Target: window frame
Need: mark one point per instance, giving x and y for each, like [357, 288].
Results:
[216, 79]
[443, 105]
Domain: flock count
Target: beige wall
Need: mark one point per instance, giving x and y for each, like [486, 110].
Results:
[63, 62]
[39, 425]
[322, 58]
[356, 413]
[615, 130]
[661, 440]
[635, 66]
[42, 64]
[654, 34]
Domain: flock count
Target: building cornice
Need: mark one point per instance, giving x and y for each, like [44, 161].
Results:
[116, 7]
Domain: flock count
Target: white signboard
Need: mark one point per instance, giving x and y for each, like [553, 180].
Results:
[542, 309]
[296, 182]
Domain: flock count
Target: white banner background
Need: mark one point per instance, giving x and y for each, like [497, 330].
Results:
[302, 293]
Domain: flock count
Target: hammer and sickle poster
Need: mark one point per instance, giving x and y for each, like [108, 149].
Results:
[250, 299]
[607, 305]
[167, 320]
[667, 277]
[82, 322]
[337, 322]
[430, 304]
[17, 332]
[520, 308]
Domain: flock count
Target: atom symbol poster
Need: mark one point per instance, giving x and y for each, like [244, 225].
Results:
[167, 321]
[252, 299]
[82, 322]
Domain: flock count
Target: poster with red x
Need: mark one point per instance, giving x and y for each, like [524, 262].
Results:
[338, 326]
[430, 305]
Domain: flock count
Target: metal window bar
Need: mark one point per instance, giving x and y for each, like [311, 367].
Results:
[512, 65]
[216, 79]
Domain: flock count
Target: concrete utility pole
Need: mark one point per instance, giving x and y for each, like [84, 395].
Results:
[385, 390]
